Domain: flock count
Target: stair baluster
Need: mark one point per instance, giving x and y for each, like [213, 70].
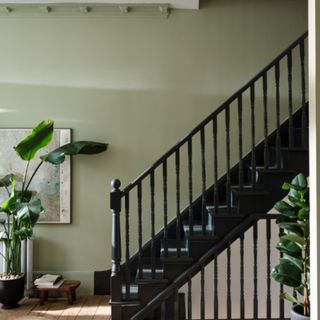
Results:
[255, 271]
[189, 298]
[190, 186]
[242, 303]
[240, 142]
[215, 165]
[229, 282]
[268, 233]
[127, 237]
[265, 109]
[139, 196]
[176, 304]
[215, 286]
[178, 221]
[165, 206]
[303, 95]
[203, 180]
[290, 107]
[153, 245]
[253, 139]
[228, 187]
[278, 137]
[202, 297]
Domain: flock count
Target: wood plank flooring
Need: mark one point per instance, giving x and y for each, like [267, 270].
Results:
[85, 308]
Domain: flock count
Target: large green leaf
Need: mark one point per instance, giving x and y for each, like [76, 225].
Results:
[57, 156]
[29, 213]
[289, 247]
[11, 201]
[286, 209]
[23, 233]
[300, 181]
[292, 228]
[295, 238]
[287, 273]
[40, 137]
[296, 261]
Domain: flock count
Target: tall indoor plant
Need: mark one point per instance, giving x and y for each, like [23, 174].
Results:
[22, 209]
[294, 267]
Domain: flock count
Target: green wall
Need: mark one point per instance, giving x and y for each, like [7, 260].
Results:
[139, 84]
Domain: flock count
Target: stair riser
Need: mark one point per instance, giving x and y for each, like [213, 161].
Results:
[171, 270]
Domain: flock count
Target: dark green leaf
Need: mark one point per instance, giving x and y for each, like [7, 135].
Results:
[303, 213]
[6, 180]
[23, 233]
[295, 238]
[286, 209]
[30, 212]
[40, 137]
[57, 156]
[296, 261]
[292, 227]
[289, 247]
[11, 201]
[300, 181]
[287, 274]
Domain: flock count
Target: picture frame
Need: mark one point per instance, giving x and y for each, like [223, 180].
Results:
[52, 183]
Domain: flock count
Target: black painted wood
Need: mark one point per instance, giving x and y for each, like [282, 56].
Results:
[278, 136]
[189, 298]
[255, 270]
[165, 206]
[178, 221]
[229, 303]
[203, 180]
[265, 111]
[253, 140]
[268, 233]
[215, 164]
[228, 186]
[241, 174]
[127, 237]
[215, 288]
[304, 119]
[139, 196]
[190, 186]
[242, 298]
[152, 207]
[290, 105]
[202, 298]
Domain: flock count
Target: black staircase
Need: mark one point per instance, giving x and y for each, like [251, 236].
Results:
[222, 178]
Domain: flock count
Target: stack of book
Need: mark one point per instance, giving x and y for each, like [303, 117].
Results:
[48, 281]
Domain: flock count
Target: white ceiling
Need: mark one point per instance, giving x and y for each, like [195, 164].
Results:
[179, 4]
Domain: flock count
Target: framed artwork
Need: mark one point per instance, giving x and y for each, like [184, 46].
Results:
[52, 183]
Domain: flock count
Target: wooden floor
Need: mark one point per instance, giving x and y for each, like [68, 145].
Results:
[85, 308]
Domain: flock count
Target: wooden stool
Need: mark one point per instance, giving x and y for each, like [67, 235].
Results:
[68, 286]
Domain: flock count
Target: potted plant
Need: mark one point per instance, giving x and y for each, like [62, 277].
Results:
[22, 208]
[294, 267]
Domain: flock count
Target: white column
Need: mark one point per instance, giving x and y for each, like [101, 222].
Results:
[314, 151]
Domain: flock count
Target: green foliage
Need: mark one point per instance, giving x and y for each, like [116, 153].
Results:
[21, 208]
[294, 267]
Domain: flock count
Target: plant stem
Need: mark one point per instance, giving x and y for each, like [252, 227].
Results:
[33, 174]
[25, 177]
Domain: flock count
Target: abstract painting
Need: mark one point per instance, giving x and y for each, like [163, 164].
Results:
[51, 183]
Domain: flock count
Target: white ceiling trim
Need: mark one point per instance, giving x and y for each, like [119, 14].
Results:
[178, 4]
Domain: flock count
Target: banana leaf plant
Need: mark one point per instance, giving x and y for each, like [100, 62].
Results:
[294, 267]
[22, 209]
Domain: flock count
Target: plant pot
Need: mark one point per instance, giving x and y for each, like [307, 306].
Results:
[297, 313]
[11, 292]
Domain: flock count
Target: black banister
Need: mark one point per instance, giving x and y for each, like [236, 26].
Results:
[204, 260]
[215, 113]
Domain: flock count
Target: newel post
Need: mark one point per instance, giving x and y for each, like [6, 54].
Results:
[116, 278]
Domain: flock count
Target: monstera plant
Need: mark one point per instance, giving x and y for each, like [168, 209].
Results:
[22, 208]
[294, 267]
